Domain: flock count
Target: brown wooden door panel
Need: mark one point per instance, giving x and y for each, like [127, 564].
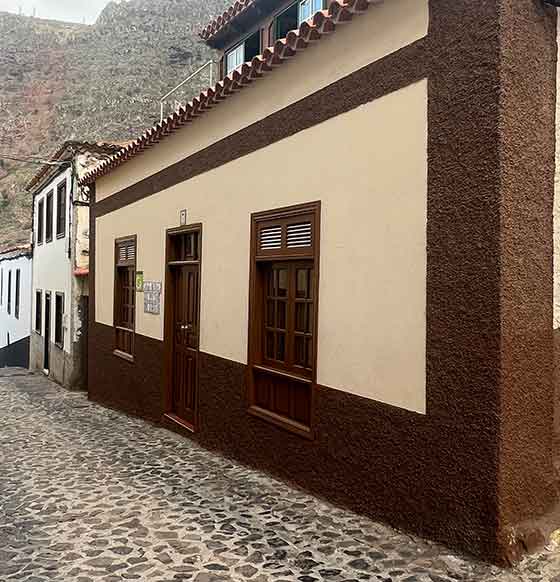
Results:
[183, 325]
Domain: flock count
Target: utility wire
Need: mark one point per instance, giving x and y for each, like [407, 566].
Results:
[32, 160]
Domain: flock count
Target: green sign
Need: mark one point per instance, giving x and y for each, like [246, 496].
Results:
[140, 281]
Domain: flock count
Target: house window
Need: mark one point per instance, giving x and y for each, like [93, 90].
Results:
[16, 307]
[10, 291]
[58, 319]
[243, 52]
[286, 21]
[125, 295]
[38, 311]
[40, 221]
[49, 225]
[61, 209]
[307, 9]
[284, 307]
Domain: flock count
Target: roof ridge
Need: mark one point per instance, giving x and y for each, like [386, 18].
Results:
[320, 24]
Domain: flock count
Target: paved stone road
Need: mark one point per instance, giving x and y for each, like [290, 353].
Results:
[88, 494]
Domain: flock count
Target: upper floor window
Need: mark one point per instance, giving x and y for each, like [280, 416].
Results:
[61, 209]
[244, 52]
[307, 9]
[40, 221]
[49, 220]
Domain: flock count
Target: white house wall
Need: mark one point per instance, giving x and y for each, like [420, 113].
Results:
[10, 327]
[52, 267]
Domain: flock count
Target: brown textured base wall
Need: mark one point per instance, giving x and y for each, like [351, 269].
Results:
[381, 461]
[480, 462]
[134, 387]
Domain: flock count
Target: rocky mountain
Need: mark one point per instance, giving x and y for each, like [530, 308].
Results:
[102, 82]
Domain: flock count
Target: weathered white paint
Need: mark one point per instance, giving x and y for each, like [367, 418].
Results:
[52, 267]
[382, 30]
[369, 169]
[14, 329]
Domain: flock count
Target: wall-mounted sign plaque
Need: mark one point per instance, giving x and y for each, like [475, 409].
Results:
[152, 297]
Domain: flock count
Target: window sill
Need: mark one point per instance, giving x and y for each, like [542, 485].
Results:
[282, 422]
[49, 240]
[61, 235]
[59, 346]
[124, 356]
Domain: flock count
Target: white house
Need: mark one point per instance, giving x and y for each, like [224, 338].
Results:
[61, 263]
[15, 306]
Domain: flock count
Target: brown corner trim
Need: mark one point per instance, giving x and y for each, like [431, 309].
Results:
[393, 72]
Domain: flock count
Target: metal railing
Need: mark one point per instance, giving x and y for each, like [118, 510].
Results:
[209, 65]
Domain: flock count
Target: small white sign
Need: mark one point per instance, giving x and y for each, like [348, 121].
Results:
[183, 217]
[152, 297]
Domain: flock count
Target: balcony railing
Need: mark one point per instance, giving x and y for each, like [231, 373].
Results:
[180, 95]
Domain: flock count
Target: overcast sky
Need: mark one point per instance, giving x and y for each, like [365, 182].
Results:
[70, 10]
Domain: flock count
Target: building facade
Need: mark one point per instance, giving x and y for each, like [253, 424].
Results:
[15, 307]
[61, 263]
[336, 264]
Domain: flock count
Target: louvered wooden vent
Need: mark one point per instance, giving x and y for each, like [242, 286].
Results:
[299, 235]
[126, 252]
[292, 236]
[271, 238]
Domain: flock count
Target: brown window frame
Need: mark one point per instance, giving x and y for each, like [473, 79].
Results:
[125, 330]
[39, 311]
[49, 216]
[61, 195]
[17, 293]
[262, 370]
[59, 320]
[41, 221]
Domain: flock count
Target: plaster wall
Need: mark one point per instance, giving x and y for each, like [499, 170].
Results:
[372, 297]
[382, 30]
[11, 329]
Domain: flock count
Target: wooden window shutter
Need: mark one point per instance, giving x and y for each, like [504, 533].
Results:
[286, 236]
[126, 253]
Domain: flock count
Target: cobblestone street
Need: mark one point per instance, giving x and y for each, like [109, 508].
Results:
[89, 494]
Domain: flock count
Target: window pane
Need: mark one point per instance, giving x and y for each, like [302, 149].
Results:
[235, 58]
[270, 321]
[299, 351]
[304, 10]
[281, 315]
[303, 283]
[282, 282]
[301, 317]
[269, 348]
[280, 347]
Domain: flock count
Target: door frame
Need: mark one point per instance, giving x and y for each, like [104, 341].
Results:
[169, 326]
[48, 332]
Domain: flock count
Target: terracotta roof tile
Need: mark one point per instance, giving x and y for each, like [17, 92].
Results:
[321, 24]
[218, 23]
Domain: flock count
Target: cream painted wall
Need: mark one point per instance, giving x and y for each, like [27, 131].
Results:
[372, 306]
[383, 29]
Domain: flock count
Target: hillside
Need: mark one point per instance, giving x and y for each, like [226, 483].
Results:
[67, 81]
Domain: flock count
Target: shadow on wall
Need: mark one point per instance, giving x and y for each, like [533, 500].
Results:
[15, 355]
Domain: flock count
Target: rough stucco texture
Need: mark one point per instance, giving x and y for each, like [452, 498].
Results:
[527, 151]
[479, 462]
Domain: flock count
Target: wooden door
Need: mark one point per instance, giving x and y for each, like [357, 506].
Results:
[185, 342]
[183, 325]
[47, 345]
